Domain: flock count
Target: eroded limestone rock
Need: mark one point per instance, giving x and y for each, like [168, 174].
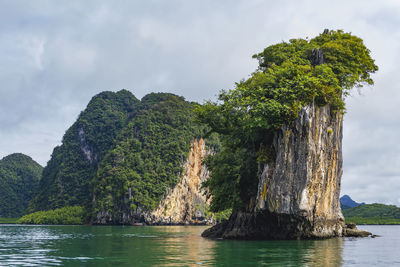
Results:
[298, 193]
[186, 203]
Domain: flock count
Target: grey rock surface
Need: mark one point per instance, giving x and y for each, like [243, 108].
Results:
[298, 193]
[184, 204]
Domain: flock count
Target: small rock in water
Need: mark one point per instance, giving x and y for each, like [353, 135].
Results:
[352, 231]
[351, 226]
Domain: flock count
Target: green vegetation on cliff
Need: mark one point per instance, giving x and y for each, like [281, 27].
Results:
[67, 176]
[148, 156]
[121, 156]
[66, 215]
[373, 214]
[290, 76]
[19, 179]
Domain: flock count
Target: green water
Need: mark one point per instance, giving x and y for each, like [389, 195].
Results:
[183, 246]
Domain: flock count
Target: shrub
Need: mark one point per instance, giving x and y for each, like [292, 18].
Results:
[66, 215]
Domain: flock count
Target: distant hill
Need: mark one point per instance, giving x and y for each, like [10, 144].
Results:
[19, 179]
[373, 210]
[346, 202]
[373, 214]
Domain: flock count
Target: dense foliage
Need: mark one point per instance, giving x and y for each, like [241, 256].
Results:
[373, 210]
[373, 214]
[372, 220]
[19, 179]
[66, 215]
[148, 155]
[290, 76]
[121, 154]
[67, 176]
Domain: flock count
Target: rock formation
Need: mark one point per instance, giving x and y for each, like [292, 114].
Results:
[352, 231]
[298, 193]
[186, 203]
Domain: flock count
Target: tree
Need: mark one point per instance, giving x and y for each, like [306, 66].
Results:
[291, 75]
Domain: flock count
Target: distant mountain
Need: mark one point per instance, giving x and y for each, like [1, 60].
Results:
[361, 213]
[346, 202]
[19, 179]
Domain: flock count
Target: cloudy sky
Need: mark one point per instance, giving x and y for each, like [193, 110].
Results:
[55, 55]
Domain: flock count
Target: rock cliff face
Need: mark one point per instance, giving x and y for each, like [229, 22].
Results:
[298, 193]
[186, 203]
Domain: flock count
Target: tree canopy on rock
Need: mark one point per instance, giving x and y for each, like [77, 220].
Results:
[291, 75]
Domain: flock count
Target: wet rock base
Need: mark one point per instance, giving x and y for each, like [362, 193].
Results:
[269, 226]
[352, 231]
[266, 225]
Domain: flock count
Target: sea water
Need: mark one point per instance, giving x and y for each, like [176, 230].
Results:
[22, 245]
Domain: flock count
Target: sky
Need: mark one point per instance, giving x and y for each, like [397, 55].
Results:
[56, 55]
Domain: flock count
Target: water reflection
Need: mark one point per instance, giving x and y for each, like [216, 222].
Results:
[185, 246]
[325, 252]
[149, 246]
[280, 253]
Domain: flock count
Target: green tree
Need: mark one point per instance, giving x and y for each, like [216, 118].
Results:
[290, 76]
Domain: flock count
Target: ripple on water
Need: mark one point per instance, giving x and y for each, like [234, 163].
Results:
[183, 246]
[138, 235]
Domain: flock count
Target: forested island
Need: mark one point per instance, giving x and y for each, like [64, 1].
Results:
[265, 159]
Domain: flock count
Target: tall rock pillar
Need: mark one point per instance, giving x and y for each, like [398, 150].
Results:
[298, 192]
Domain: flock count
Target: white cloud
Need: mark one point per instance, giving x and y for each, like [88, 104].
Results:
[72, 57]
[55, 57]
